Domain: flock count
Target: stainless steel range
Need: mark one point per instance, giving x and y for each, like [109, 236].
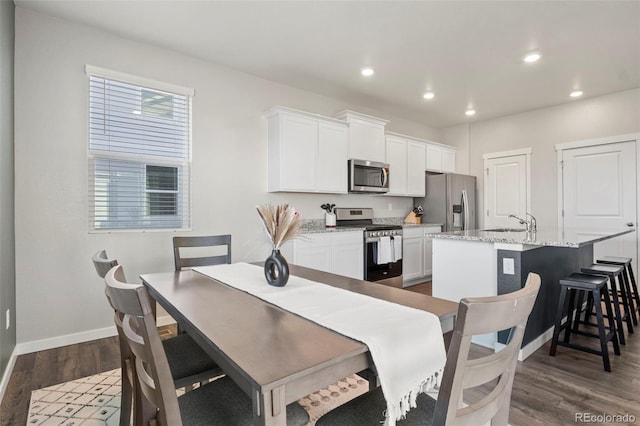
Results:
[382, 245]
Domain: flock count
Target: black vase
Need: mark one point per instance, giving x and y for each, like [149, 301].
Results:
[276, 269]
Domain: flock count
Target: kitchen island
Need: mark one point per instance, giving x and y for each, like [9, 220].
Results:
[481, 263]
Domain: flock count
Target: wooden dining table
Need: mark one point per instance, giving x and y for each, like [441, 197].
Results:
[275, 356]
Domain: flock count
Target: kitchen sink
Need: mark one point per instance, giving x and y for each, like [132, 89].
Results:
[505, 230]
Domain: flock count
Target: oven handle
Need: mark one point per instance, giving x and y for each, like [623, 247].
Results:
[376, 239]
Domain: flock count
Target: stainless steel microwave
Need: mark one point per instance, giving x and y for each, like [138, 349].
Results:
[368, 176]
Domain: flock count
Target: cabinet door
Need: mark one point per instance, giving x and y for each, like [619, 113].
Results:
[428, 256]
[433, 158]
[348, 254]
[412, 259]
[314, 251]
[416, 165]
[448, 161]
[397, 159]
[299, 153]
[333, 151]
[366, 141]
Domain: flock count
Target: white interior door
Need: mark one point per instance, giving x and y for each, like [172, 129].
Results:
[505, 187]
[599, 192]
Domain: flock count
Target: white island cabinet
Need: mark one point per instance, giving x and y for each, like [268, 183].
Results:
[340, 253]
[480, 263]
[307, 152]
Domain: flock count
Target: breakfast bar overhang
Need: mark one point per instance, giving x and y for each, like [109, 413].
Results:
[478, 263]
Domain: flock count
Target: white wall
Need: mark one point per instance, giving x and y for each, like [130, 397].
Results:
[58, 292]
[541, 130]
[7, 248]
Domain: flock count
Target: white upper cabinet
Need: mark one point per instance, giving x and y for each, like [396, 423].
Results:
[415, 169]
[440, 158]
[307, 152]
[448, 160]
[366, 136]
[333, 152]
[406, 157]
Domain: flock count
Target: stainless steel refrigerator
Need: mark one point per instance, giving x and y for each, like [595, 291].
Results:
[451, 200]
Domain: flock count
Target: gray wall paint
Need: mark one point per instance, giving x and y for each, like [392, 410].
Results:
[63, 295]
[7, 246]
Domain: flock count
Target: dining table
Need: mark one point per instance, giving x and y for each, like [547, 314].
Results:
[275, 356]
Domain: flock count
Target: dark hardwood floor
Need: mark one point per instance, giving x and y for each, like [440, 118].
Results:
[547, 390]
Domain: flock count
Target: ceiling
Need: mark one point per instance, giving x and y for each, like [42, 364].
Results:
[468, 53]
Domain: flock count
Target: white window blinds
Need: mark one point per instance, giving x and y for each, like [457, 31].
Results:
[139, 156]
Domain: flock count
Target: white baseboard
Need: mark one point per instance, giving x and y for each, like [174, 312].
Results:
[528, 349]
[165, 320]
[7, 373]
[68, 339]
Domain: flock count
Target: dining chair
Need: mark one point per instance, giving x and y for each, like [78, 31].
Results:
[188, 363]
[183, 262]
[220, 402]
[478, 315]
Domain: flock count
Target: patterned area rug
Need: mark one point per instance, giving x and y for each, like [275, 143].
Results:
[95, 400]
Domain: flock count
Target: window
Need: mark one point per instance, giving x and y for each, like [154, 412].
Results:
[139, 153]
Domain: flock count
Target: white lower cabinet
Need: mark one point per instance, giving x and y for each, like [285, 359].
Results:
[412, 258]
[417, 253]
[340, 253]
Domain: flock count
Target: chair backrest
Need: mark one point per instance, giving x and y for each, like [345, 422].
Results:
[102, 263]
[478, 316]
[151, 366]
[183, 262]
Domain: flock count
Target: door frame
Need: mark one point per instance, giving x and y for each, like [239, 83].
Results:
[512, 153]
[629, 137]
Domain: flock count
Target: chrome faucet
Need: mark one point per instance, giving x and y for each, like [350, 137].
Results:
[532, 225]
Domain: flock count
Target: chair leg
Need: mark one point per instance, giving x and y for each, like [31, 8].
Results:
[570, 309]
[634, 287]
[576, 321]
[559, 314]
[126, 401]
[602, 332]
[630, 306]
[616, 307]
[614, 338]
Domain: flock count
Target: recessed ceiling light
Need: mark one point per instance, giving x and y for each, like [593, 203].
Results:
[470, 112]
[367, 72]
[576, 93]
[532, 57]
[429, 95]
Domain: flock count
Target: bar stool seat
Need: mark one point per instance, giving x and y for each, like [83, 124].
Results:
[629, 277]
[596, 285]
[618, 291]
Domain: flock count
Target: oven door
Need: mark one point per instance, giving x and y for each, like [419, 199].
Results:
[387, 273]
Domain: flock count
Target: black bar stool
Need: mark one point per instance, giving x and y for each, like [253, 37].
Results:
[596, 286]
[630, 279]
[618, 290]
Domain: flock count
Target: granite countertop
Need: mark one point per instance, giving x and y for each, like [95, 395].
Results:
[544, 237]
[314, 226]
[420, 225]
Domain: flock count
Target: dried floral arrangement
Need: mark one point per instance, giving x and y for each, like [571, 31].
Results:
[282, 223]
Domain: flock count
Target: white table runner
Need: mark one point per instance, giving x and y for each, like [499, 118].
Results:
[406, 344]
